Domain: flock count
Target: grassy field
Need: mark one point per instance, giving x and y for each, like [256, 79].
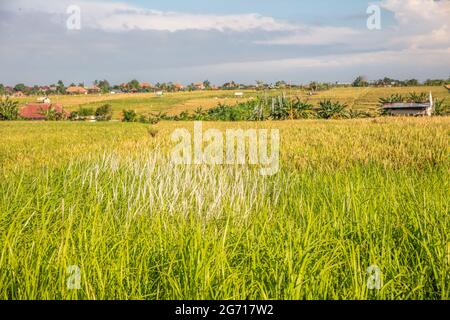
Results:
[105, 197]
[364, 99]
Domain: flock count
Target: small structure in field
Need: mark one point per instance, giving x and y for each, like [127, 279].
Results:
[448, 87]
[159, 93]
[36, 111]
[239, 94]
[43, 100]
[410, 109]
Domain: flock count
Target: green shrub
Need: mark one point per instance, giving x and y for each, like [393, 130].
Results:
[104, 113]
[440, 109]
[9, 109]
[328, 109]
[129, 116]
[395, 98]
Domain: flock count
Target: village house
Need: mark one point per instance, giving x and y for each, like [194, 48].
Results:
[410, 109]
[179, 87]
[76, 90]
[145, 85]
[93, 90]
[199, 86]
[36, 111]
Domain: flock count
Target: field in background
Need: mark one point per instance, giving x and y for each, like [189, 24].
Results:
[364, 99]
[350, 194]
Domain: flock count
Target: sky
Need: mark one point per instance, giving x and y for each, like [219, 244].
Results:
[42, 42]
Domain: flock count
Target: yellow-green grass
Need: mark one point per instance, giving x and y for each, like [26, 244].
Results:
[105, 197]
[364, 99]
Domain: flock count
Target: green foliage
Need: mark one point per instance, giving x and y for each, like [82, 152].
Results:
[134, 84]
[395, 98]
[360, 82]
[418, 97]
[51, 114]
[82, 114]
[440, 108]
[9, 109]
[20, 87]
[104, 113]
[60, 88]
[328, 110]
[129, 116]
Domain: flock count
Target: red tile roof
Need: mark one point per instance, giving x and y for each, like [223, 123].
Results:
[79, 90]
[33, 111]
[146, 85]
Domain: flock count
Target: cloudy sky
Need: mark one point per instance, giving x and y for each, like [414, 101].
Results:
[221, 40]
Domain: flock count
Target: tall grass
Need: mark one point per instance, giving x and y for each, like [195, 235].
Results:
[350, 194]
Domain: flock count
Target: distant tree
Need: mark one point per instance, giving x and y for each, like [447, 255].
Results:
[60, 88]
[2, 89]
[314, 86]
[412, 82]
[81, 84]
[207, 84]
[9, 109]
[170, 87]
[104, 86]
[360, 82]
[280, 84]
[20, 87]
[261, 84]
[435, 82]
[134, 84]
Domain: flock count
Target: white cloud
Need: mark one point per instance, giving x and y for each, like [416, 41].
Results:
[116, 16]
[315, 36]
[412, 57]
[421, 23]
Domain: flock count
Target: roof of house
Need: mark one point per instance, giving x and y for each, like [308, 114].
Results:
[76, 90]
[448, 86]
[146, 85]
[401, 105]
[33, 111]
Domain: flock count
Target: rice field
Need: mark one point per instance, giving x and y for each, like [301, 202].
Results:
[363, 99]
[104, 199]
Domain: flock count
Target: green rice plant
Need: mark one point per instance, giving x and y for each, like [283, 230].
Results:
[106, 200]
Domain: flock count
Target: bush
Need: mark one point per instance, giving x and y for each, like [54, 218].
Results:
[129, 116]
[395, 98]
[54, 115]
[440, 109]
[104, 113]
[9, 110]
[418, 98]
[328, 109]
